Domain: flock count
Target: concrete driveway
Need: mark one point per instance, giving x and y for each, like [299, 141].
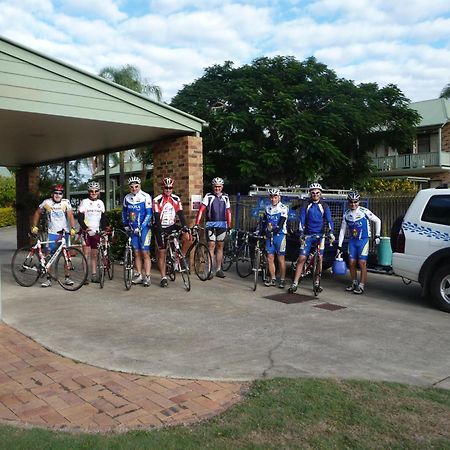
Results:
[223, 330]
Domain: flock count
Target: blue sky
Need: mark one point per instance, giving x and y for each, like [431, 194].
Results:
[405, 42]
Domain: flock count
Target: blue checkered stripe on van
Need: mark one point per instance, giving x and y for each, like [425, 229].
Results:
[426, 231]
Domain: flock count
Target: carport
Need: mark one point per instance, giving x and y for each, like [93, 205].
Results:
[53, 112]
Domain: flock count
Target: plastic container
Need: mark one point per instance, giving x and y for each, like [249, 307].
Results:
[339, 267]
[384, 252]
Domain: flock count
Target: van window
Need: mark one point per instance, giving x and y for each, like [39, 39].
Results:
[437, 210]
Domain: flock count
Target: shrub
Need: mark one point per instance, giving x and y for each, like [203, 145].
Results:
[7, 217]
[7, 191]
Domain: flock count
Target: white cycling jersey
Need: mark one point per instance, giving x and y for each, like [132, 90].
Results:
[92, 210]
[56, 214]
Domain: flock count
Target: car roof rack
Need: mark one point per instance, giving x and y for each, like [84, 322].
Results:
[297, 191]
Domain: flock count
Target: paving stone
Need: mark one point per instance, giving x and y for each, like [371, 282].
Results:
[40, 388]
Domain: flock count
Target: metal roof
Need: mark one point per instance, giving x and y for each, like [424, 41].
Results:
[434, 112]
[51, 111]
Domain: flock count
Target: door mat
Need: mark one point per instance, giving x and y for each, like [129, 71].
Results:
[330, 306]
[290, 298]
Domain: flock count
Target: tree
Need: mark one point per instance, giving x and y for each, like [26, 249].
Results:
[130, 77]
[445, 93]
[281, 121]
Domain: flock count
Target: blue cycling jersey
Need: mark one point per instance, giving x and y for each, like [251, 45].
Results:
[313, 217]
[137, 210]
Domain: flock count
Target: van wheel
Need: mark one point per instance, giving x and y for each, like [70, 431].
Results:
[395, 229]
[440, 288]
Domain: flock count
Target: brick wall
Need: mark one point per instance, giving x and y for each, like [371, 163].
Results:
[446, 138]
[182, 160]
[27, 196]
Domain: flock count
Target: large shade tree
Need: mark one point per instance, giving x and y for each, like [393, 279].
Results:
[281, 121]
[445, 93]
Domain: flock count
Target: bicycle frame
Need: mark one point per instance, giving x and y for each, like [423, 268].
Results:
[260, 264]
[44, 265]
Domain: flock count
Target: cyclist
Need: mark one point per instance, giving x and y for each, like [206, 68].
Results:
[273, 225]
[218, 221]
[92, 218]
[357, 219]
[313, 216]
[136, 216]
[59, 214]
[166, 207]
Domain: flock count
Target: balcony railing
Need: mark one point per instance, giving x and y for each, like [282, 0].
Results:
[412, 161]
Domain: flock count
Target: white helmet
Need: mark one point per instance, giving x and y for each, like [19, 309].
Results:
[132, 180]
[353, 196]
[217, 181]
[274, 191]
[315, 186]
[167, 182]
[93, 185]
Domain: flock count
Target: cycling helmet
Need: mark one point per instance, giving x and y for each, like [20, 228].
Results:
[217, 181]
[315, 186]
[58, 187]
[274, 191]
[132, 180]
[167, 182]
[93, 185]
[353, 196]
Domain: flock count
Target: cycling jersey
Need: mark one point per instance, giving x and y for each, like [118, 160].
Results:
[167, 206]
[358, 222]
[92, 211]
[56, 214]
[312, 218]
[137, 210]
[275, 216]
[218, 211]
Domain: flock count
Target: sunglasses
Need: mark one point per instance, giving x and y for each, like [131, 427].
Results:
[93, 192]
[353, 202]
[315, 193]
[134, 186]
[57, 193]
[166, 188]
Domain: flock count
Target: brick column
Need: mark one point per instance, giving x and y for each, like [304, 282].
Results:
[27, 196]
[182, 160]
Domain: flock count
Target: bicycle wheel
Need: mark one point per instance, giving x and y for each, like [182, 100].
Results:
[170, 269]
[25, 267]
[256, 267]
[109, 263]
[316, 274]
[184, 270]
[202, 261]
[244, 261]
[264, 267]
[128, 268]
[101, 268]
[73, 272]
[228, 254]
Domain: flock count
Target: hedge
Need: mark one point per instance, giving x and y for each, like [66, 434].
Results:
[7, 217]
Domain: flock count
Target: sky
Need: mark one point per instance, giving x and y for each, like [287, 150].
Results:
[171, 42]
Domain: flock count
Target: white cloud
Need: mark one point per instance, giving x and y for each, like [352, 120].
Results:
[404, 42]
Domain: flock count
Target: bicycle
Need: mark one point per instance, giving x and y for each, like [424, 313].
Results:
[260, 264]
[175, 261]
[202, 257]
[313, 264]
[128, 260]
[244, 255]
[105, 260]
[29, 264]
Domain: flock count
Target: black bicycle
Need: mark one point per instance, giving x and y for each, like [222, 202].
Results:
[175, 260]
[105, 260]
[260, 265]
[244, 255]
[202, 258]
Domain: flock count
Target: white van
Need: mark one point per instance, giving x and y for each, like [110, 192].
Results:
[421, 249]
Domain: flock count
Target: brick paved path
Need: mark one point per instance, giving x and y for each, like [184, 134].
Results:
[41, 388]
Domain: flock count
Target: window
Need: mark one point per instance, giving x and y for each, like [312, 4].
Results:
[438, 210]
[423, 143]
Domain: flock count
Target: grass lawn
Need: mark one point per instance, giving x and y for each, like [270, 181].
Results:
[286, 413]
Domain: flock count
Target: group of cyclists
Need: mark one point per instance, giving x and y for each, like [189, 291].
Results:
[164, 214]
